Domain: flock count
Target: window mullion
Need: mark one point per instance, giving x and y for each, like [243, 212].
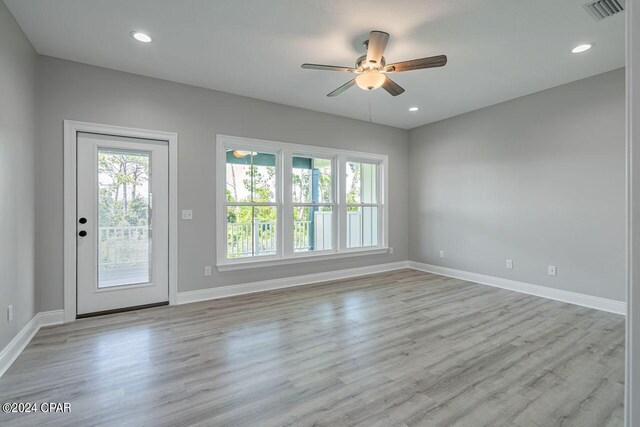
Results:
[287, 203]
[254, 232]
[340, 231]
[380, 187]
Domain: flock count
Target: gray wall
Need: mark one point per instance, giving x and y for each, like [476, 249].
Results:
[533, 179]
[539, 179]
[17, 183]
[69, 90]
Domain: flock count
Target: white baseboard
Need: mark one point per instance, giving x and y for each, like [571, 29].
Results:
[618, 307]
[50, 318]
[12, 350]
[604, 304]
[287, 282]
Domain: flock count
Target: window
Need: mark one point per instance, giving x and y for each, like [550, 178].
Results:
[252, 211]
[279, 203]
[362, 204]
[313, 203]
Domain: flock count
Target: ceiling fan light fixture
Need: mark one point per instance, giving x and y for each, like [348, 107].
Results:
[371, 68]
[370, 79]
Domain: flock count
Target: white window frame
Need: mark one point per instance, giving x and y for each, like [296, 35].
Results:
[284, 200]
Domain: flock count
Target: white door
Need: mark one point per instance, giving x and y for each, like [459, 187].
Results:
[122, 222]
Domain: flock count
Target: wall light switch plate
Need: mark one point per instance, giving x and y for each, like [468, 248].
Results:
[509, 263]
[441, 253]
[10, 313]
[551, 270]
[187, 214]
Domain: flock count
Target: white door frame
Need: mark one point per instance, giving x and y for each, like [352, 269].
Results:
[71, 129]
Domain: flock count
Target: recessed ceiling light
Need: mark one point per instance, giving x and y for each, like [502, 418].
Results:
[582, 48]
[141, 37]
[414, 109]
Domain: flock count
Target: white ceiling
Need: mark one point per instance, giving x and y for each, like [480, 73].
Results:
[497, 49]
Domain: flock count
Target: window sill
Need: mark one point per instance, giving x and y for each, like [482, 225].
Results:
[241, 265]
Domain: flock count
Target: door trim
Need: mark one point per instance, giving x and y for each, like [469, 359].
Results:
[71, 129]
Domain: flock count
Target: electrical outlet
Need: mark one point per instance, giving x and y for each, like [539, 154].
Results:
[390, 250]
[551, 270]
[441, 253]
[10, 313]
[509, 263]
[207, 270]
[187, 214]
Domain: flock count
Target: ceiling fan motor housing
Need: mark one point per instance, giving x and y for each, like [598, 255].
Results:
[361, 63]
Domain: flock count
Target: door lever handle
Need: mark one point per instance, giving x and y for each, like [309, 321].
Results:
[82, 233]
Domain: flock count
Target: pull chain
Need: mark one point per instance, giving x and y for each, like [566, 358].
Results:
[370, 107]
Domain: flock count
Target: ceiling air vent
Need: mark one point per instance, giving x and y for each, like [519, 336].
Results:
[600, 9]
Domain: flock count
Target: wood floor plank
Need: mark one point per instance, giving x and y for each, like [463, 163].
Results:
[403, 348]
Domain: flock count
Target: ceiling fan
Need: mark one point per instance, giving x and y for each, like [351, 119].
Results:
[372, 70]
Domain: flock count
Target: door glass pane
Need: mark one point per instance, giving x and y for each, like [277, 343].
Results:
[251, 176]
[361, 182]
[124, 218]
[312, 228]
[251, 231]
[362, 226]
[311, 180]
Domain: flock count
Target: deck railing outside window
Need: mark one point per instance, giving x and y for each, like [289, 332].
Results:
[239, 238]
[124, 245]
[306, 234]
[124, 255]
[129, 245]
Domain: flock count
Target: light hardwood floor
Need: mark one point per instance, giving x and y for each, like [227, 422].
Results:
[400, 348]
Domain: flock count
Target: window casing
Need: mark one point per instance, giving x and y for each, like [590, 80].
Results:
[296, 203]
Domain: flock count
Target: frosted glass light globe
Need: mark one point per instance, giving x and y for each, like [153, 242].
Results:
[370, 80]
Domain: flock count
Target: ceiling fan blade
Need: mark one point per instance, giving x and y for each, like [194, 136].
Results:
[375, 47]
[392, 87]
[417, 64]
[327, 67]
[342, 88]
